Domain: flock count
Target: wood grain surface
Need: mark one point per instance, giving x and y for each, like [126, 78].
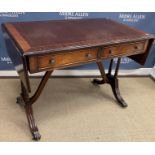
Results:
[40, 36]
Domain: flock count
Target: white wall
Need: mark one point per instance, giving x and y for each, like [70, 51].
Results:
[91, 73]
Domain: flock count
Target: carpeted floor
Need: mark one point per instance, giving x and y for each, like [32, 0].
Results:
[72, 109]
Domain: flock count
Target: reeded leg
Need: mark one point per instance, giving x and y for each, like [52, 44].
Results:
[33, 127]
[29, 114]
[27, 101]
[112, 80]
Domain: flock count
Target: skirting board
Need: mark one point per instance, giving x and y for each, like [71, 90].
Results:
[153, 73]
[83, 73]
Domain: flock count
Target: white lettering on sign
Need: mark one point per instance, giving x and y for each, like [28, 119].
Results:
[124, 60]
[129, 17]
[6, 59]
[74, 15]
[11, 14]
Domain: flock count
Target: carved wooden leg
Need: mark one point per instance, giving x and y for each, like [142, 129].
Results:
[33, 127]
[111, 79]
[28, 101]
[20, 99]
[29, 114]
[103, 75]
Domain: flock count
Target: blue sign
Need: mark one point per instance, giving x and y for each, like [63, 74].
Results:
[143, 21]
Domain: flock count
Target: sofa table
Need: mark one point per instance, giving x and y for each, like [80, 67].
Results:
[48, 45]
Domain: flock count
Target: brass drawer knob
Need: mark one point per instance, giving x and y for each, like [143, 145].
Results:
[136, 47]
[110, 51]
[88, 55]
[52, 61]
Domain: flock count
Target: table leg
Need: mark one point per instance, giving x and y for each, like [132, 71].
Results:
[103, 75]
[111, 79]
[28, 101]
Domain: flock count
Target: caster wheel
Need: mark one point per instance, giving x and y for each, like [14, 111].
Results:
[20, 101]
[36, 135]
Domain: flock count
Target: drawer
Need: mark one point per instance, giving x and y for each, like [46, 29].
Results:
[123, 50]
[62, 60]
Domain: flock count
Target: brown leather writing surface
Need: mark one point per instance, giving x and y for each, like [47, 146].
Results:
[32, 37]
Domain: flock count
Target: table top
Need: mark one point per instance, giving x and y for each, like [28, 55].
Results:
[58, 35]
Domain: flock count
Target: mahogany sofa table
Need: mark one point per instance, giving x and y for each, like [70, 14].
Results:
[48, 45]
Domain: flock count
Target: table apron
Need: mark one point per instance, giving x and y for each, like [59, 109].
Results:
[38, 63]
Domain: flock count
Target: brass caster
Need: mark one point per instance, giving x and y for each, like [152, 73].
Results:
[36, 135]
